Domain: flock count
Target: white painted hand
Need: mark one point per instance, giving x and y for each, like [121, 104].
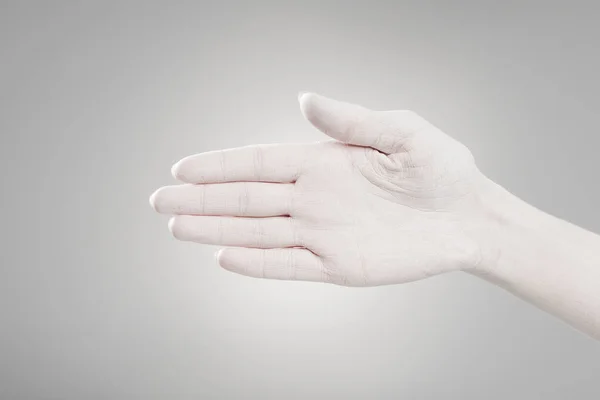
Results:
[391, 199]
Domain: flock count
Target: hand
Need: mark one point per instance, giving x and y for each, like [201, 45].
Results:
[391, 199]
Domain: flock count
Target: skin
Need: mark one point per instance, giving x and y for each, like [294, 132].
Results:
[389, 199]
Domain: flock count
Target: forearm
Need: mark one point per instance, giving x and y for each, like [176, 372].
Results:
[542, 259]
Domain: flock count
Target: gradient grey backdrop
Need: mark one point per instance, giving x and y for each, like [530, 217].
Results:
[98, 301]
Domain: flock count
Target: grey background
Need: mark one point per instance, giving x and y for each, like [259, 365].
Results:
[99, 99]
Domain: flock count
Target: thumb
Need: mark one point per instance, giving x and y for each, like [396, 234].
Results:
[385, 131]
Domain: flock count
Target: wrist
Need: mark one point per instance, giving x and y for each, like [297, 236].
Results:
[507, 229]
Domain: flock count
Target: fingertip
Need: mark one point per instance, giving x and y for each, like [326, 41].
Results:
[175, 227]
[306, 100]
[219, 257]
[152, 200]
[302, 94]
[156, 199]
[171, 224]
[224, 259]
[325, 113]
[176, 170]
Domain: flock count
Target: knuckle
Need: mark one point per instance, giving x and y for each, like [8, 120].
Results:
[292, 200]
[409, 118]
[297, 237]
[361, 125]
[257, 160]
[407, 115]
[409, 122]
[292, 266]
[243, 200]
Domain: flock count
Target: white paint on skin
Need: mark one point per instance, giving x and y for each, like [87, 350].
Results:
[390, 199]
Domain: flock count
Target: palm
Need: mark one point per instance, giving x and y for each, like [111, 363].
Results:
[333, 212]
[369, 222]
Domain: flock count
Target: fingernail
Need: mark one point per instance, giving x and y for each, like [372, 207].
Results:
[152, 200]
[175, 170]
[300, 94]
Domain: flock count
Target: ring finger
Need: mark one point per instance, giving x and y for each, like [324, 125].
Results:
[265, 233]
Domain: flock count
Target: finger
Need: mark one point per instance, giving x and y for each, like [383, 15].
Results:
[286, 264]
[241, 199]
[266, 163]
[350, 123]
[262, 233]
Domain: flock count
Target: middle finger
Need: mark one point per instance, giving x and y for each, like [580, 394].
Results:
[238, 199]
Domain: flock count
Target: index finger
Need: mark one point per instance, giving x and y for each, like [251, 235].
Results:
[280, 163]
